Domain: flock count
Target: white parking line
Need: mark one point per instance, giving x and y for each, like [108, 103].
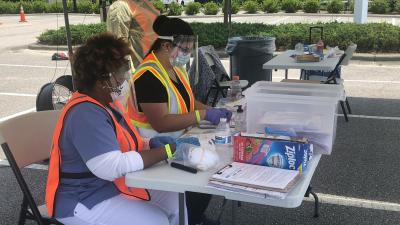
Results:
[17, 114]
[17, 94]
[372, 117]
[374, 81]
[32, 66]
[33, 166]
[356, 202]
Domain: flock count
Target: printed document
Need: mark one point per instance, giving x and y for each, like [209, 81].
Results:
[255, 176]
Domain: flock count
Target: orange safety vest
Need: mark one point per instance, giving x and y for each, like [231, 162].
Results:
[126, 141]
[176, 103]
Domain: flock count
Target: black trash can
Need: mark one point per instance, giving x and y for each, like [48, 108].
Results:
[248, 54]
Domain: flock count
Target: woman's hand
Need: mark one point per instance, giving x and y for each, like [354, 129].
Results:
[161, 141]
[228, 113]
[214, 115]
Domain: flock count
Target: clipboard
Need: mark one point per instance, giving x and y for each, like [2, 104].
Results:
[265, 178]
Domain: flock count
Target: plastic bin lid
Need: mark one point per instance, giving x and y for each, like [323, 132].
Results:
[300, 96]
[291, 89]
[286, 85]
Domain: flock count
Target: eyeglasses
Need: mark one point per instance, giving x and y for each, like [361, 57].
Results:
[185, 50]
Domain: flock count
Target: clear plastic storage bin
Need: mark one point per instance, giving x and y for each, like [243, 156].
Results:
[310, 110]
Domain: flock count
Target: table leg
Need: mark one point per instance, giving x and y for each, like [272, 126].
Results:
[182, 208]
[234, 208]
[286, 74]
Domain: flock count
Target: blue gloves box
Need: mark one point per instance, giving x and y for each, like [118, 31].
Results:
[264, 150]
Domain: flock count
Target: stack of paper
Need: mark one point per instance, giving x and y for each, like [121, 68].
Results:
[255, 180]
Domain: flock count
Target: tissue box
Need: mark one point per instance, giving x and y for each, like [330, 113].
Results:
[266, 151]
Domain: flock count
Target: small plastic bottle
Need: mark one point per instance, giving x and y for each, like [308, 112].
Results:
[240, 120]
[236, 90]
[320, 47]
[223, 133]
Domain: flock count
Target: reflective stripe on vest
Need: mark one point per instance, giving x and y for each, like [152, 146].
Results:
[176, 103]
[125, 140]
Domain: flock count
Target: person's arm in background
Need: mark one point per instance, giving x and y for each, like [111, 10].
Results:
[119, 20]
[162, 121]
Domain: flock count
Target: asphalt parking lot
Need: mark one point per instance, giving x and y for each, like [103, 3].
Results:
[358, 184]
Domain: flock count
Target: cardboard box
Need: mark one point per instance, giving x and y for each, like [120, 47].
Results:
[260, 150]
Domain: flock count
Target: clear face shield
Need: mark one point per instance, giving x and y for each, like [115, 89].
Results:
[118, 83]
[184, 48]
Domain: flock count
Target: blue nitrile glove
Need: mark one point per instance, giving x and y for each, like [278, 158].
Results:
[227, 113]
[183, 145]
[213, 115]
[160, 141]
[188, 140]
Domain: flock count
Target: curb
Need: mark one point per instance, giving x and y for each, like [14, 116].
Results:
[222, 54]
[242, 14]
[36, 46]
[262, 14]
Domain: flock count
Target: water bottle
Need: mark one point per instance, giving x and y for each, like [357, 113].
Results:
[236, 90]
[223, 133]
[240, 120]
[320, 48]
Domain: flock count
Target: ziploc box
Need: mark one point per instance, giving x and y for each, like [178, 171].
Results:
[292, 154]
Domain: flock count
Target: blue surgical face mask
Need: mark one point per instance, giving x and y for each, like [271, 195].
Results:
[181, 59]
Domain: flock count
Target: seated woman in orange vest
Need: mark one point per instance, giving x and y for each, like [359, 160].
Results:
[94, 146]
[160, 98]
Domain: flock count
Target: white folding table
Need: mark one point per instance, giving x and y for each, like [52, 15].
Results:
[283, 61]
[163, 177]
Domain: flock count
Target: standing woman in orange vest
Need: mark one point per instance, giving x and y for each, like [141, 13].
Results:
[94, 146]
[161, 101]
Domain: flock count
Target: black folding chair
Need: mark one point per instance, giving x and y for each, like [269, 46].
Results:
[221, 83]
[27, 139]
[333, 79]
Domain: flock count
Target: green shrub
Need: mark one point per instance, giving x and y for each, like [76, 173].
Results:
[392, 5]
[210, 8]
[379, 6]
[39, 7]
[70, 6]
[270, 6]
[335, 6]
[291, 6]
[9, 7]
[250, 6]
[54, 8]
[311, 6]
[235, 7]
[174, 9]
[370, 37]
[351, 6]
[159, 5]
[80, 33]
[85, 7]
[96, 8]
[397, 7]
[28, 7]
[192, 8]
